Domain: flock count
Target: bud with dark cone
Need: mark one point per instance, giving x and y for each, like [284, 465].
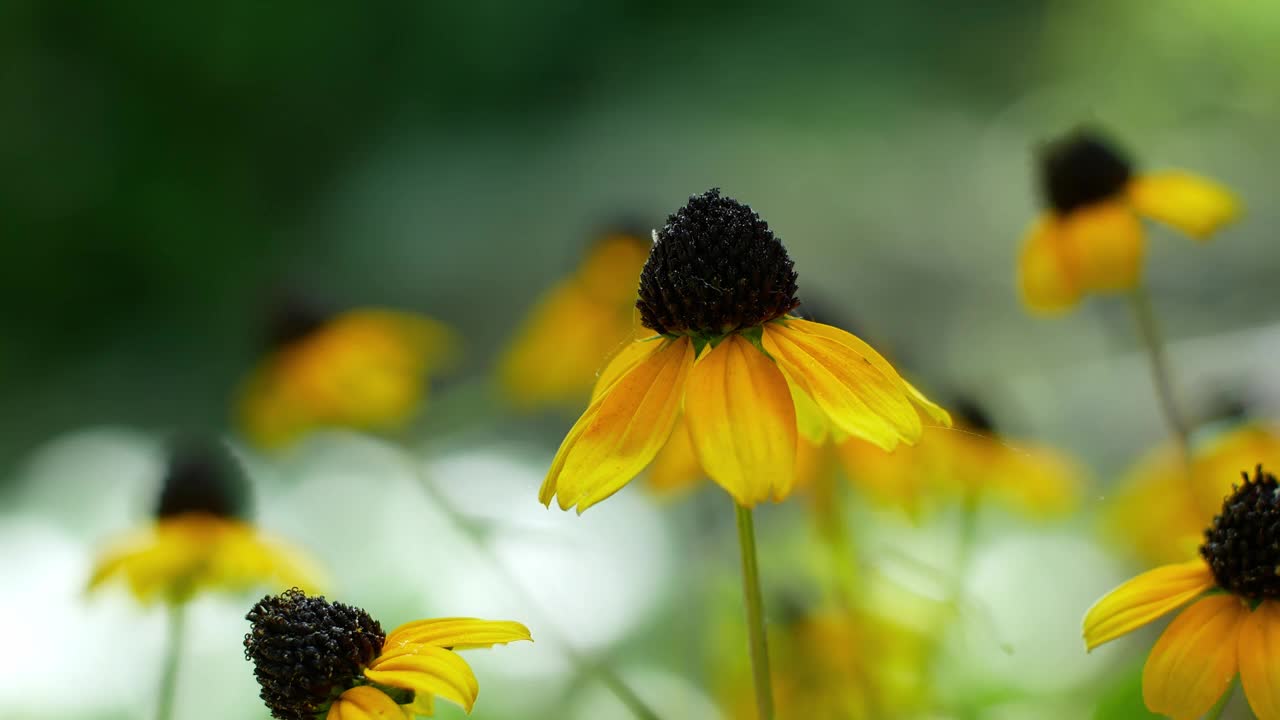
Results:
[1081, 169]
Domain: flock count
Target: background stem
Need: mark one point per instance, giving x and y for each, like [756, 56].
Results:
[755, 613]
[1162, 378]
[173, 651]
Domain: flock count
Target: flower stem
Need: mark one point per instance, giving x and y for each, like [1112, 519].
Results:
[829, 518]
[173, 651]
[1149, 328]
[755, 613]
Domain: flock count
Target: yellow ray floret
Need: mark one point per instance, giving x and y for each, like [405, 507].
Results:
[1195, 659]
[1143, 599]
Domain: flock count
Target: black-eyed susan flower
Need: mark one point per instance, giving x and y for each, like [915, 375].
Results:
[1162, 504]
[577, 325]
[716, 293]
[1233, 623]
[1090, 239]
[364, 369]
[316, 659]
[199, 539]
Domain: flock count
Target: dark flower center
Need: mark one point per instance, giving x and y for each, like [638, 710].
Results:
[203, 477]
[306, 651]
[715, 268]
[973, 416]
[1082, 169]
[292, 317]
[1243, 545]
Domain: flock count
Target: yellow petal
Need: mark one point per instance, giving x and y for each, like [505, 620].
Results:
[676, 468]
[856, 397]
[365, 703]
[1195, 659]
[1106, 244]
[428, 670]
[742, 422]
[1260, 660]
[624, 360]
[458, 633]
[1046, 275]
[1143, 599]
[1195, 205]
[622, 430]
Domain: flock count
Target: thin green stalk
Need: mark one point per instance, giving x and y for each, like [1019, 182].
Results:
[755, 613]
[1162, 378]
[833, 530]
[585, 666]
[173, 651]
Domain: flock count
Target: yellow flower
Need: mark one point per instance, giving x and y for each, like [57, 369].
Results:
[363, 369]
[1233, 625]
[1091, 238]
[317, 659]
[1161, 506]
[197, 542]
[576, 326]
[716, 292]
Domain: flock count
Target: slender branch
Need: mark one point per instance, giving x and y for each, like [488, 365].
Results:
[755, 613]
[175, 612]
[1162, 378]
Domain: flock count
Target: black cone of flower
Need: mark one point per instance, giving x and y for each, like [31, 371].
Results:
[203, 477]
[1082, 169]
[1242, 547]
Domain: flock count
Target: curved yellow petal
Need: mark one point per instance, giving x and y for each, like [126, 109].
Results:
[1046, 274]
[1260, 660]
[622, 430]
[1143, 599]
[742, 422]
[426, 670]
[1195, 205]
[856, 397]
[676, 468]
[1195, 659]
[1106, 244]
[623, 361]
[365, 703]
[458, 633]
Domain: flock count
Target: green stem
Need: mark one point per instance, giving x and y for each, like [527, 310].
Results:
[833, 530]
[1162, 378]
[755, 613]
[173, 651]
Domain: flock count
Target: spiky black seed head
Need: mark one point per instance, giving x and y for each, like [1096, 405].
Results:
[972, 416]
[292, 317]
[306, 651]
[203, 477]
[1242, 547]
[715, 268]
[1081, 169]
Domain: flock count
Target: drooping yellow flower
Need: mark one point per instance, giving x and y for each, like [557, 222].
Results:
[319, 659]
[1091, 237]
[576, 326]
[1161, 506]
[198, 540]
[1233, 625]
[716, 292]
[364, 369]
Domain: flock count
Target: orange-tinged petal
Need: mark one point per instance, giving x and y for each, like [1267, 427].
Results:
[676, 468]
[742, 422]
[1106, 244]
[428, 670]
[857, 398]
[1143, 599]
[622, 430]
[365, 703]
[1260, 660]
[1195, 659]
[1195, 205]
[458, 633]
[627, 357]
[1046, 274]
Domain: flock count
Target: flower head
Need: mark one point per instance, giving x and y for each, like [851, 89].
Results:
[319, 659]
[365, 369]
[200, 538]
[1232, 626]
[577, 325]
[1090, 239]
[716, 292]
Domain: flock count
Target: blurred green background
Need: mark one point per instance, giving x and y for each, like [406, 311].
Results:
[168, 169]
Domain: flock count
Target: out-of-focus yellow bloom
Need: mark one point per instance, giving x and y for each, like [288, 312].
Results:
[576, 326]
[716, 291]
[1161, 506]
[1091, 238]
[839, 665]
[363, 369]
[196, 542]
[318, 659]
[1233, 625]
